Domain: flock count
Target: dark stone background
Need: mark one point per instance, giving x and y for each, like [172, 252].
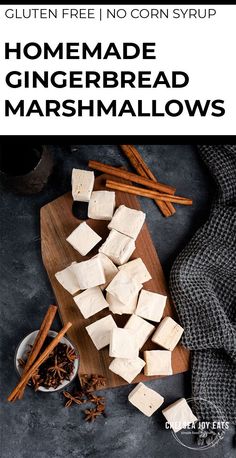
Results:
[39, 426]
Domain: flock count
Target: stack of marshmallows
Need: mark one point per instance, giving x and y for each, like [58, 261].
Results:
[109, 280]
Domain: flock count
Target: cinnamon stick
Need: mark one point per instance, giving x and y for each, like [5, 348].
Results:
[147, 193]
[139, 160]
[39, 341]
[27, 376]
[141, 167]
[120, 173]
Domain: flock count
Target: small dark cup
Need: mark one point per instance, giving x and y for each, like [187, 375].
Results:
[25, 168]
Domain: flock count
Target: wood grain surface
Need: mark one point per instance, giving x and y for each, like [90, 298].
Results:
[57, 222]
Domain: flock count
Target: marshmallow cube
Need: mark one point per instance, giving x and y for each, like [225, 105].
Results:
[168, 333]
[145, 399]
[151, 305]
[100, 331]
[123, 344]
[90, 301]
[101, 205]
[67, 278]
[179, 415]
[109, 268]
[158, 362]
[83, 239]
[82, 184]
[118, 308]
[140, 328]
[123, 287]
[118, 247]
[89, 273]
[128, 369]
[137, 270]
[127, 221]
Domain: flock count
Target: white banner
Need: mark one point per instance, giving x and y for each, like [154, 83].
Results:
[117, 70]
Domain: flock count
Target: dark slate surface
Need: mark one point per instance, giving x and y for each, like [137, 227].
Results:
[39, 425]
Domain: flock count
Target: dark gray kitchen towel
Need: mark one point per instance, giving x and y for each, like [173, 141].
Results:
[203, 289]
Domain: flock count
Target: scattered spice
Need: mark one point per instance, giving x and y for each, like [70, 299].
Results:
[96, 399]
[21, 361]
[90, 383]
[57, 367]
[36, 380]
[91, 414]
[77, 398]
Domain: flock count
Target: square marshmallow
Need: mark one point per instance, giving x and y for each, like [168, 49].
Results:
[117, 307]
[158, 362]
[123, 344]
[151, 305]
[128, 369]
[118, 247]
[140, 328]
[100, 331]
[83, 239]
[109, 268]
[67, 279]
[123, 287]
[90, 301]
[102, 205]
[137, 270]
[145, 399]
[89, 273]
[82, 184]
[127, 221]
[179, 415]
[168, 333]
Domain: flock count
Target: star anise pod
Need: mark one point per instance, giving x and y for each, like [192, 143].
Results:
[21, 362]
[97, 381]
[91, 414]
[85, 379]
[35, 380]
[70, 354]
[50, 381]
[68, 403]
[80, 394]
[96, 399]
[100, 407]
[92, 382]
[57, 369]
[73, 398]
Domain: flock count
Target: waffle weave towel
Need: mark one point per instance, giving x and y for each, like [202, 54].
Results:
[203, 289]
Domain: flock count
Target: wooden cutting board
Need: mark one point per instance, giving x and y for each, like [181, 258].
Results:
[57, 222]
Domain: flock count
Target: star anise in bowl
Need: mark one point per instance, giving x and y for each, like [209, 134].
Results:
[60, 367]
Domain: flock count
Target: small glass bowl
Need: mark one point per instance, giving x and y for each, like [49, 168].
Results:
[23, 348]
